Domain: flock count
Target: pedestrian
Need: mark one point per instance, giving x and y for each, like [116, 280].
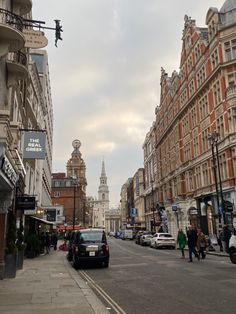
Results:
[192, 243]
[47, 242]
[54, 240]
[225, 235]
[202, 244]
[181, 241]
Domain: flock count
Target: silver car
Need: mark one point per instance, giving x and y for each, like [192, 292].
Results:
[163, 240]
[145, 239]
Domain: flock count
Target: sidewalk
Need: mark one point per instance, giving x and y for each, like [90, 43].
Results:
[48, 285]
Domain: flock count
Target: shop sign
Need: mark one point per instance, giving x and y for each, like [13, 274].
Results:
[34, 145]
[193, 211]
[34, 39]
[8, 170]
[174, 207]
[30, 212]
[25, 202]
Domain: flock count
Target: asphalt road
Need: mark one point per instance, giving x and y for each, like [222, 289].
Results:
[143, 280]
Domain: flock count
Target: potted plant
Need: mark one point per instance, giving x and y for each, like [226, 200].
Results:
[20, 244]
[10, 249]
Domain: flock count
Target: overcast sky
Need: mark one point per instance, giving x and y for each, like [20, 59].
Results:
[105, 77]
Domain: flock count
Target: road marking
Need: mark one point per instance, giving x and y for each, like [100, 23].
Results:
[103, 294]
[129, 265]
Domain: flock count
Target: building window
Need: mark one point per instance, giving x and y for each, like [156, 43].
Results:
[214, 59]
[185, 125]
[194, 117]
[57, 183]
[203, 106]
[189, 64]
[197, 51]
[220, 126]
[230, 50]
[217, 93]
[198, 177]
[205, 140]
[195, 142]
[231, 79]
[205, 174]
[191, 88]
[187, 152]
[223, 166]
[57, 194]
[189, 181]
[201, 76]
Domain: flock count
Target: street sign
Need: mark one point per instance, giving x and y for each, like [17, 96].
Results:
[174, 207]
[25, 203]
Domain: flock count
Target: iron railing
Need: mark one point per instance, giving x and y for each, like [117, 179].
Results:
[17, 57]
[9, 18]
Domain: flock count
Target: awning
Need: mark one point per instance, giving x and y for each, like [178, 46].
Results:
[42, 220]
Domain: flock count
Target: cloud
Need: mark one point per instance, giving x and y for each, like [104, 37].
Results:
[105, 77]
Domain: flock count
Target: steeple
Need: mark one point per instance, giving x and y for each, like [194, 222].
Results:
[103, 190]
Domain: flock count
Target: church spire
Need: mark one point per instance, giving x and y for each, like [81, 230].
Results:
[103, 174]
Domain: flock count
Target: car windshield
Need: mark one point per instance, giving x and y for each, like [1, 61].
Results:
[165, 236]
[93, 236]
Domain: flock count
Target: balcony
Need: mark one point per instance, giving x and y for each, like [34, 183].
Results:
[11, 35]
[16, 67]
[231, 91]
[22, 6]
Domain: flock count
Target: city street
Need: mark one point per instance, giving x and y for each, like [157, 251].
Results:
[145, 280]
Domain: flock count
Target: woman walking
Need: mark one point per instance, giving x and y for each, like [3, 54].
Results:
[181, 241]
[201, 244]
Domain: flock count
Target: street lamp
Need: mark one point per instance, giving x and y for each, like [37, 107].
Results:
[153, 207]
[75, 186]
[213, 138]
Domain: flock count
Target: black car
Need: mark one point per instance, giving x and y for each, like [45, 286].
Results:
[90, 246]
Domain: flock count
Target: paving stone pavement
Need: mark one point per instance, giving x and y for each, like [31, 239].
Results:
[48, 285]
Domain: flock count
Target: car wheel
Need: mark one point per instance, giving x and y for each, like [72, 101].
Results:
[75, 262]
[232, 256]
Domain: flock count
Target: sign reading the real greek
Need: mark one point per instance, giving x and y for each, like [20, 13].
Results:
[34, 145]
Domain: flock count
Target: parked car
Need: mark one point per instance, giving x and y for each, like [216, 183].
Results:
[90, 246]
[232, 247]
[163, 240]
[139, 234]
[145, 239]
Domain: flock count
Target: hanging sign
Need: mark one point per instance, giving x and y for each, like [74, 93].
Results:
[34, 145]
[34, 39]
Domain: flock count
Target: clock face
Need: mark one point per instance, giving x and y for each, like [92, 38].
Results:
[76, 144]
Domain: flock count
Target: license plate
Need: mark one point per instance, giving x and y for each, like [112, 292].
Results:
[91, 253]
[92, 248]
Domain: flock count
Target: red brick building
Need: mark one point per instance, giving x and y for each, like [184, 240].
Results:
[195, 127]
[69, 189]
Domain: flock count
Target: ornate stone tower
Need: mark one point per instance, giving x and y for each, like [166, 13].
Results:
[76, 166]
[103, 191]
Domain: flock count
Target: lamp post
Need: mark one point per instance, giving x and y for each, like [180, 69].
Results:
[75, 186]
[153, 208]
[213, 137]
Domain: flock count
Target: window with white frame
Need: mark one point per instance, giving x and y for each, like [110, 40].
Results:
[223, 166]
[231, 78]
[197, 52]
[183, 98]
[220, 126]
[185, 125]
[57, 194]
[205, 140]
[194, 117]
[189, 63]
[203, 107]
[198, 173]
[191, 88]
[214, 59]
[205, 174]
[201, 76]
[230, 50]
[195, 142]
[217, 93]
[189, 181]
[187, 152]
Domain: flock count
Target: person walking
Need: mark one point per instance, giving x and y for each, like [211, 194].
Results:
[192, 243]
[181, 241]
[47, 242]
[201, 244]
[54, 240]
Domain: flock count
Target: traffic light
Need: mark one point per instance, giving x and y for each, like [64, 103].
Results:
[58, 31]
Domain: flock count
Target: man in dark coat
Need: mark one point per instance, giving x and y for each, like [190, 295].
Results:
[192, 243]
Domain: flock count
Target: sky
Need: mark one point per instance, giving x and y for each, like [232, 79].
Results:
[105, 77]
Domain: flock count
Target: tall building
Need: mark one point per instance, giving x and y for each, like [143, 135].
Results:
[102, 204]
[195, 127]
[69, 189]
